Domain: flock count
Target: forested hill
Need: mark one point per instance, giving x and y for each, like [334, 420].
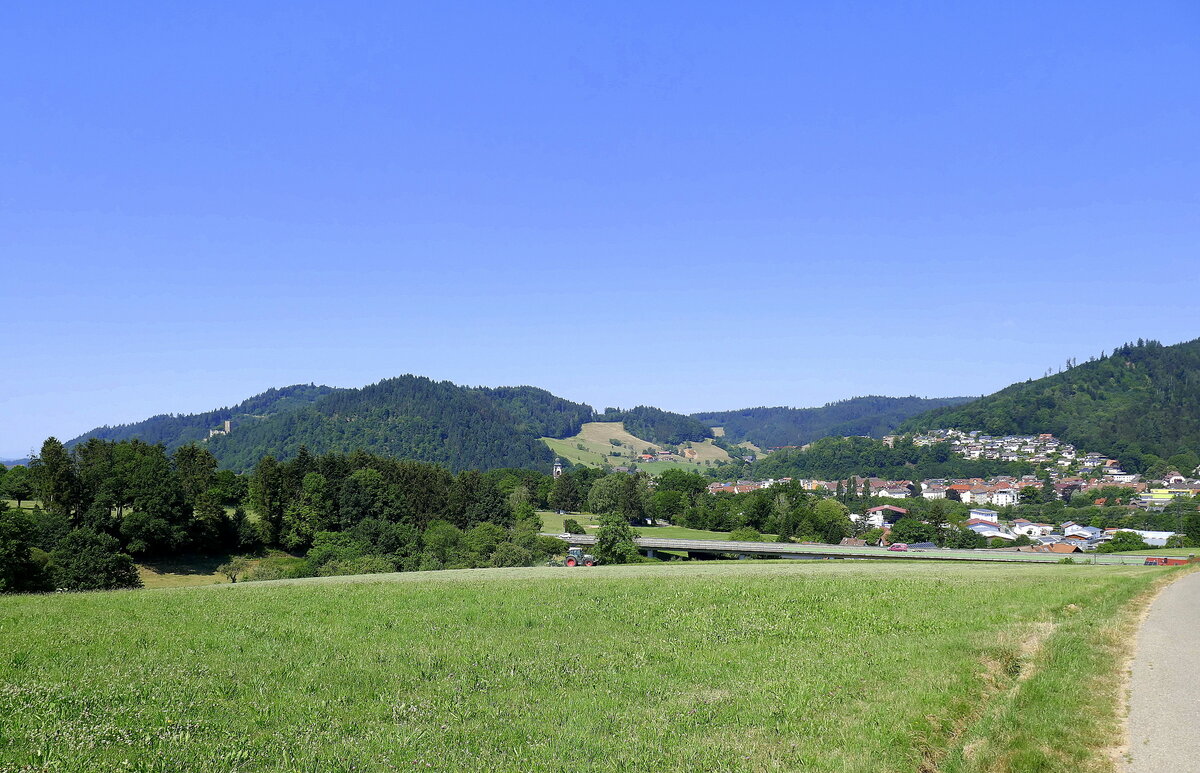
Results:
[1138, 404]
[173, 430]
[412, 417]
[772, 427]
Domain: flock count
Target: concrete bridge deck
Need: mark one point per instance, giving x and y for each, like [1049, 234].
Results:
[797, 550]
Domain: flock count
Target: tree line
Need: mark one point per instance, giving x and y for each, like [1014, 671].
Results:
[103, 504]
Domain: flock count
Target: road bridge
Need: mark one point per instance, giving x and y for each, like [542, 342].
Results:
[701, 548]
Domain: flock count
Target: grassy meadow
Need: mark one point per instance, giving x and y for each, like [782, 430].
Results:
[848, 666]
[596, 438]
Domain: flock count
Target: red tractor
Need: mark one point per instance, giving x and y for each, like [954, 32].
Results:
[576, 557]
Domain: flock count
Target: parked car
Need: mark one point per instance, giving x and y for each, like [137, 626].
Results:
[902, 546]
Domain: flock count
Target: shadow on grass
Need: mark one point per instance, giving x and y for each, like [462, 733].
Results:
[186, 564]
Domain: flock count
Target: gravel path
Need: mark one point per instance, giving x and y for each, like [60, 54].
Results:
[1164, 706]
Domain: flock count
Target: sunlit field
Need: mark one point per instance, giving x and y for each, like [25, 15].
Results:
[701, 666]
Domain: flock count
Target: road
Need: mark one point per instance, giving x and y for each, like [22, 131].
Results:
[1164, 704]
[843, 551]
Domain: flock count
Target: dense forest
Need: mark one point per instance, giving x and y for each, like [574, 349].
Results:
[408, 417]
[104, 504]
[174, 431]
[412, 417]
[834, 458]
[658, 426]
[1140, 404]
[774, 427]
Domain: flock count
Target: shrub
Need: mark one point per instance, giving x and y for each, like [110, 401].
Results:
[547, 546]
[234, 568]
[278, 567]
[571, 526]
[745, 534]
[614, 541]
[509, 554]
[86, 560]
[22, 566]
[1123, 541]
[484, 537]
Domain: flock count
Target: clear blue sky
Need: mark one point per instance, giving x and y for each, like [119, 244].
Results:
[694, 206]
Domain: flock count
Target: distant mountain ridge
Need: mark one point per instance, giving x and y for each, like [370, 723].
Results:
[174, 430]
[413, 417]
[1139, 404]
[871, 415]
[462, 427]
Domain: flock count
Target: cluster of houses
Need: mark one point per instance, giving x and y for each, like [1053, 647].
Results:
[1069, 538]
[665, 455]
[1036, 449]
[999, 491]
[746, 486]
[1043, 450]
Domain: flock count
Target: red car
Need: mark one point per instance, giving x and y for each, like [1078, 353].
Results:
[898, 546]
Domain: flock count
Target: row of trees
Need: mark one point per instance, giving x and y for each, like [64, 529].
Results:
[340, 512]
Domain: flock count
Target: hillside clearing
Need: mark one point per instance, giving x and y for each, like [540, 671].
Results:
[596, 439]
[746, 666]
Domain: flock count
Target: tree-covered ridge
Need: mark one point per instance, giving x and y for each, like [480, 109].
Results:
[657, 425]
[1139, 404]
[833, 458]
[413, 417]
[773, 427]
[174, 431]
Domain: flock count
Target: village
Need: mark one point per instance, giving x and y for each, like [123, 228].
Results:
[1065, 475]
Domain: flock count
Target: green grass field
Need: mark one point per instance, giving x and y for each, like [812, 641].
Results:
[596, 438]
[1184, 552]
[737, 666]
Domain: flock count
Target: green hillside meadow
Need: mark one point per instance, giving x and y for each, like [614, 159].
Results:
[751, 665]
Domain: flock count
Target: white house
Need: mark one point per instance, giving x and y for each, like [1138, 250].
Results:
[990, 530]
[1021, 526]
[934, 492]
[1005, 496]
[990, 516]
[874, 520]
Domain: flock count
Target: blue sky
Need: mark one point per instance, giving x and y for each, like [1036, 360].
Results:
[688, 205]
